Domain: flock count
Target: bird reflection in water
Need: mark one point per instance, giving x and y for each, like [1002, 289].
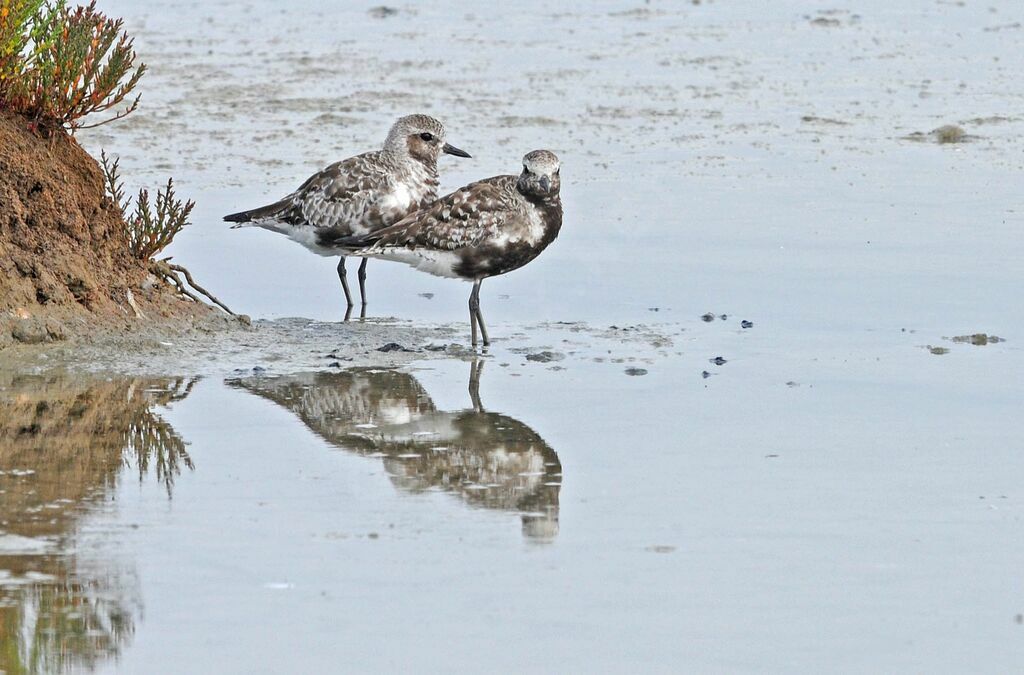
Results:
[65, 443]
[488, 459]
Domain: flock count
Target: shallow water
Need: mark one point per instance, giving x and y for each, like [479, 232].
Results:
[376, 518]
[836, 486]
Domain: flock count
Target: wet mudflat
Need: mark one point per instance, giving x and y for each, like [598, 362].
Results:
[826, 478]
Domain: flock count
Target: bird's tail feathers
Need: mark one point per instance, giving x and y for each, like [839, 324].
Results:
[248, 218]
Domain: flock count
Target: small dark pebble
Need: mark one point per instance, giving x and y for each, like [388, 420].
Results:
[746, 324]
[334, 364]
[653, 309]
[705, 374]
[718, 361]
[259, 369]
[382, 12]
[723, 317]
[636, 371]
[393, 347]
[428, 296]
[771, 456]
[707, 318]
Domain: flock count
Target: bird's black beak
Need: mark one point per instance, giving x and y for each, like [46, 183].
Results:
[545, 183]
[449, 149]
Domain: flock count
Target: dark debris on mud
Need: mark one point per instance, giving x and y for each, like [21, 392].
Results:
[977, 339]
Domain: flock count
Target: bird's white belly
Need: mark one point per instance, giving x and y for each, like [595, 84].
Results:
[307, 236]
[438, 263]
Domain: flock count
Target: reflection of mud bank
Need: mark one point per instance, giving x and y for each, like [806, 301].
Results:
[64, 443]
[487, 459]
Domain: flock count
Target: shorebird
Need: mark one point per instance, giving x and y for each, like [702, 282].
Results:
[484, 229]
[361, 194]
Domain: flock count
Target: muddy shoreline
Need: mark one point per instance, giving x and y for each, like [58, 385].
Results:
[227, 347]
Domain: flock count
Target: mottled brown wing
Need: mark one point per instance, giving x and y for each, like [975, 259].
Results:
[345, 197]
[461, 219]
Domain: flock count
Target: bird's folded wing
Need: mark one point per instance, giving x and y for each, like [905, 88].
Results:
[461, 219]
[343, 196]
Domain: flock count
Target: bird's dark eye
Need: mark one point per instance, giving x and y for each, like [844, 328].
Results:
[427, 136]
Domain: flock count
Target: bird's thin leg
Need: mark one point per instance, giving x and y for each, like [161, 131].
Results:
[476, 369]
[474, 303]
[344, 283]
[480, 316]
[362, 283]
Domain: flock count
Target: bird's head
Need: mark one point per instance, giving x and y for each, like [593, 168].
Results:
[540, 178]
[420, 137]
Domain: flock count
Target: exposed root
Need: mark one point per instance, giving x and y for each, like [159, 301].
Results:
[134, 305]
[168, 272]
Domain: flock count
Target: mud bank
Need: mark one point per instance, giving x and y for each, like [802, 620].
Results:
[66, 272]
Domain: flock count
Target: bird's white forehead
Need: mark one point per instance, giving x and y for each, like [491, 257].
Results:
[541, 162]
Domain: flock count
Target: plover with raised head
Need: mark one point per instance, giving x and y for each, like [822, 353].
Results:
[484, 229]
[360, 195]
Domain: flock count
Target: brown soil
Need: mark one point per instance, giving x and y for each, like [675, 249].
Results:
[65, 269]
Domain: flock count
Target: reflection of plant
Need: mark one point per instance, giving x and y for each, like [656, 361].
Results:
[75, 625]
[151, 440]
[58, 65]
[64, 444]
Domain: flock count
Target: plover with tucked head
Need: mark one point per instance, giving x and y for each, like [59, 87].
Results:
[484, 229]
[360, 195]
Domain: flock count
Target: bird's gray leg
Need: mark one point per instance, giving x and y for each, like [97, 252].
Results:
[475, 315]
[473, 300]
[344, 283]
[476, 369]
[480, 316]
[362, 282]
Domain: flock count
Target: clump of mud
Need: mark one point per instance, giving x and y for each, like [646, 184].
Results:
[947, 133]
[65, 267]
[977, 339]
